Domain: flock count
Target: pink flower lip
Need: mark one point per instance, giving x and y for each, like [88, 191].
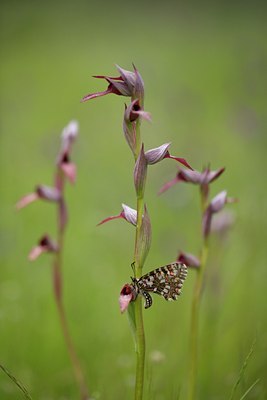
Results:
[45, 245]
[126, 296]
[69, 170]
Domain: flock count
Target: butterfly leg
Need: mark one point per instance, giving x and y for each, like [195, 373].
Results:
[133, 266]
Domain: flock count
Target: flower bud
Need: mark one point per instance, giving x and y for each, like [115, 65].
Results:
[68, 136]
[140, 172]
[129, 128]
[216, 205]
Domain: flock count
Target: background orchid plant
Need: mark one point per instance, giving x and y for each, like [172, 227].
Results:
[65, 170]
[208, 209]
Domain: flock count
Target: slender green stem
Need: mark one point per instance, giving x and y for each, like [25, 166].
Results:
[194, 329]
[140, 349]
[140, 333]
[140, 211]
[195, 323]
[138, 307]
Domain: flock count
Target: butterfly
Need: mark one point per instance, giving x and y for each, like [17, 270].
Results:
[166, 281]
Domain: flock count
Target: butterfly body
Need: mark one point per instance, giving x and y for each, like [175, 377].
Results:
[166, 281]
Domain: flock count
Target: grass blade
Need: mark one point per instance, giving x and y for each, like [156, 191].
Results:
[242, 370]
[249, 389]
[17, 383]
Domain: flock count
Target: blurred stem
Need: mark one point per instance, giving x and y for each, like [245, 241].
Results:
[194, 329]
[138, 308]
[58, 283]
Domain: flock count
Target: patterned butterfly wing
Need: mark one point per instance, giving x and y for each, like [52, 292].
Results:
[166, 281]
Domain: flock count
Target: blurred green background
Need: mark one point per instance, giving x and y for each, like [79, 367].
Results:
[204, 66]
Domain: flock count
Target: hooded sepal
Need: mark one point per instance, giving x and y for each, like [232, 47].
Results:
[123, 85]
[127, 213]
[157, 154]
[203, 179]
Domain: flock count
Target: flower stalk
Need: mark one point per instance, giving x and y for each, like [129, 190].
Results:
[194, 325]
[138, 311]
[208, 209]
[130, 84]
[58, 292]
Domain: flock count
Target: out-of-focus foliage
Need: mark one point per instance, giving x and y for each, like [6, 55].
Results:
[204, 67]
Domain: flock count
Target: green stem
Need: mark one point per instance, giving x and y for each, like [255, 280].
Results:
[195, 323]
[194, 329]
[140, 333]
[138, 306]
[140, 349]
